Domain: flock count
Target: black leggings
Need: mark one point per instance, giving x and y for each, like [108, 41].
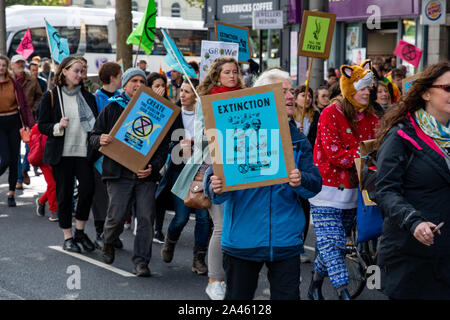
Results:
[10, 147]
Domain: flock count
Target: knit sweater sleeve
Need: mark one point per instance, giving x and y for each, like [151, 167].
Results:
[331, 132]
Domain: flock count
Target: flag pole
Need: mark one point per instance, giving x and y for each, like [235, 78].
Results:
[188, 78]
[137, 52]
[50, 73]
[308, 77]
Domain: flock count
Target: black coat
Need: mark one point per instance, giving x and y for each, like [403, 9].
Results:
[49, 115]
[407, 195]
[312, 134]
[112, 169]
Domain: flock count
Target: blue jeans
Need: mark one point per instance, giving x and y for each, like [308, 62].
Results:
[181, 218]
[23, 165]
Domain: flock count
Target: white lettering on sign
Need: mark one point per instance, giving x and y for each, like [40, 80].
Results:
[247, 7]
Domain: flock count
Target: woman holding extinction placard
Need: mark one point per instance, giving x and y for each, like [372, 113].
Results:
[342, 126]
[67, 115]
[224, 76]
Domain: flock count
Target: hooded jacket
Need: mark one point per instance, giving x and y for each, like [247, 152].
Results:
[266, 223]
[413, 186]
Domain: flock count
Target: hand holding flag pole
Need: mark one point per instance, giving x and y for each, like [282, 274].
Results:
[171, 50]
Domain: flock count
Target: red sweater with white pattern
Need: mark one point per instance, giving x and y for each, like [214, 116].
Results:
[334, 153]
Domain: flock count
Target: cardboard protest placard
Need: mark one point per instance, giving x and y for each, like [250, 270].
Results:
[140, 129]
[249, 137]
[365, 148]
[317, 34]
[211, 50]
[408, 82]
[230, 33]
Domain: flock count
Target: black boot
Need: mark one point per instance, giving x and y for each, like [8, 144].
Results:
[344, 295]
[315, 289]
[11, 201]
[83, 240]
[168, 249]
[198, 263]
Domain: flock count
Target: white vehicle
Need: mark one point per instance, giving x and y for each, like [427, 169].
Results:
[92, 33]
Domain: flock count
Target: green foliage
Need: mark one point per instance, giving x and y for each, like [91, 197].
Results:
[195, 3]
[36, 2]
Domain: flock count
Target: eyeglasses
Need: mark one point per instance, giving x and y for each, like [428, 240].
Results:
[445, 87]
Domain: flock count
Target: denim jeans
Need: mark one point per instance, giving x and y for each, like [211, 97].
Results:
[181, 218]
[23, 165]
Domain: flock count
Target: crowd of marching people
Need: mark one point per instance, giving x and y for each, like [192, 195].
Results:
[63, 120]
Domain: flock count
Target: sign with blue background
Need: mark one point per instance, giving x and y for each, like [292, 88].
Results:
[144, 123]
[229, 33]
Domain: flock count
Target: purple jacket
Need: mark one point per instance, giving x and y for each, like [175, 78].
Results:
[24, 109]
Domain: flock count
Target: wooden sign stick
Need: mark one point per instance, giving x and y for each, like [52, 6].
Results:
[308, 77]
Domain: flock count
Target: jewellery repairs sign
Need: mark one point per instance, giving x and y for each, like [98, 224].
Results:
[250, 141]
[140, 129]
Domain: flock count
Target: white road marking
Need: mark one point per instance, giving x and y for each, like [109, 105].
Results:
[7, 295]
[95, 262]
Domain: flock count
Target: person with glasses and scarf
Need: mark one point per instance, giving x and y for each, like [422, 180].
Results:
[66, 116]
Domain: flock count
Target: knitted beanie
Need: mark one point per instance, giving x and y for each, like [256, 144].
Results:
[130, 73]
[355, 78]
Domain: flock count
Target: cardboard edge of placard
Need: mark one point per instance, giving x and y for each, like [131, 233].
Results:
[326, 54]
[120, 152]
[285, 136]
[216, 22]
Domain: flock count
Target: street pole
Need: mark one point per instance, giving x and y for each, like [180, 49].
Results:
[3, 27]
[317, 69]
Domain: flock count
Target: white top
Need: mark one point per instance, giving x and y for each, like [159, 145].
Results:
[188, 122]
[75, 138]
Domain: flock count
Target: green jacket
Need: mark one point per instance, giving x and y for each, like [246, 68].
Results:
[181, 186]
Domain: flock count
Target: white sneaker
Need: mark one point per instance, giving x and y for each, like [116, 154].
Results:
[216, 290]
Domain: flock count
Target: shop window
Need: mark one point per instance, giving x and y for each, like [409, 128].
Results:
[176, 10]
[88, 3]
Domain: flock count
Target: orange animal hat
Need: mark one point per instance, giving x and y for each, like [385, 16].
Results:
[356, 78]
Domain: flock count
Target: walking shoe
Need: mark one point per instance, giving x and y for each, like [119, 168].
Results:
[158, 237]
[19, 186]
[216, 290]
[118, 244]
[71, 246]
[315, 289]
[40, 208]
[198, 264]
[83, 240]
[142, 270]
[11, 201]
[53, 216]
[168, 249]
[108, 253]
[98, 242]
[26, 177]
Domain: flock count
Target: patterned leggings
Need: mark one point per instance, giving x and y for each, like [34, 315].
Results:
[331, 226]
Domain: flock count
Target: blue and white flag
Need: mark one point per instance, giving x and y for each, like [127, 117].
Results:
[59, 46]
[172, 54]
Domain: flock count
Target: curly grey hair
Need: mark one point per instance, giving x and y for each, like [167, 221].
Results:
[270, 76]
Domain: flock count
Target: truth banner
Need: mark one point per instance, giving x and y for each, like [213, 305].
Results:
[317, 34]
[140, 129]
[250, 142]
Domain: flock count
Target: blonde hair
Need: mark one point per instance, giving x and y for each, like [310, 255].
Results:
[212, 77]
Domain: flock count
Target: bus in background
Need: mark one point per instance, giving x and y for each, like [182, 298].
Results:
[92, 33]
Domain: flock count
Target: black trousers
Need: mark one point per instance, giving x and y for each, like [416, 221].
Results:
[10, 147]
[242, 278]
[65, 173]
[100, 202]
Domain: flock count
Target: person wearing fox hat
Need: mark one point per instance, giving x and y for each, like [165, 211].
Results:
[342, 126]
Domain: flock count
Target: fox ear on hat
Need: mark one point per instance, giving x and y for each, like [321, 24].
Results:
[346, 70]
[367, 64]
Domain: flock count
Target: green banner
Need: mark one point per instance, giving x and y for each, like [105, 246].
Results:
[316, 34]
[146, 29]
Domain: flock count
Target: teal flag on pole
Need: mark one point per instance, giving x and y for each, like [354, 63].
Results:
[59, 46]
[173, 53]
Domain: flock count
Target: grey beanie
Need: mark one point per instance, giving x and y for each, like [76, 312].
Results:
[130, 73]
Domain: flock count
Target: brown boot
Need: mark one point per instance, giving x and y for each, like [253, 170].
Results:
[168, 249]
[198, 264]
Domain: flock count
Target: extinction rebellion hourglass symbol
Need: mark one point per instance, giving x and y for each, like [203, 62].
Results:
[142, 126]
[409, 52]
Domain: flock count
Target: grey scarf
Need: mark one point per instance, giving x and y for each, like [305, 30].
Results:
[87, 118]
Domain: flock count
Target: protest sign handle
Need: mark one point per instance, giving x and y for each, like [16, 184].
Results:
[137, 52]
[187, 77]
[308, 77]
[54, 68]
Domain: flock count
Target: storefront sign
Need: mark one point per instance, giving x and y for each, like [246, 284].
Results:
[239, 12]
[231, 33]
[317, 34]
[353, 10]
[266, 20]
[140, 129]
[211, 50]
[433, 12]
[250, 142]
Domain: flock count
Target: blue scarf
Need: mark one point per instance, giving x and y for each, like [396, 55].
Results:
[122, 100]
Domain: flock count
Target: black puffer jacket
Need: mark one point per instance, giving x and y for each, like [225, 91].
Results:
[409, 194]
[112, 169]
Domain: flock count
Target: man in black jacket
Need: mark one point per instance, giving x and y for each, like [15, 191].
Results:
[124, 185]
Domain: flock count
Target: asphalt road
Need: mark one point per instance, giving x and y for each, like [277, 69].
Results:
[33, 266]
